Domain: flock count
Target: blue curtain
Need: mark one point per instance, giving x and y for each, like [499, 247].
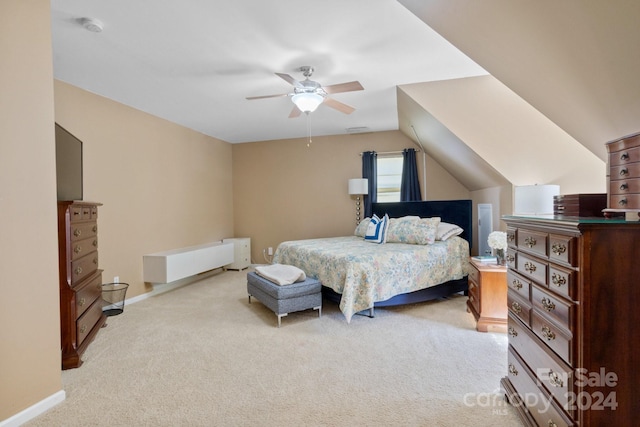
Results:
[370, 171]
[409, 186]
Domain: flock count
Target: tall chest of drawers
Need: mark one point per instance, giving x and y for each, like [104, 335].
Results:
[80, 279]
[573, 321]
[623, 175]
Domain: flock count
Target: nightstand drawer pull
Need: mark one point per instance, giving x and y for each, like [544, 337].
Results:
[555, 379]
[558, 248]
[529, 267]
[513, 370]
[548, 304]
[516, 307]
[548, 333]
[517, 284]
[512, 331]
[558, 280]
[530, 242]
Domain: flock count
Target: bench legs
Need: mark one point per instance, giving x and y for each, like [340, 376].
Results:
[281, 315]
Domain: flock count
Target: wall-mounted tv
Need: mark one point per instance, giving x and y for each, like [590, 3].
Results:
[68, 165]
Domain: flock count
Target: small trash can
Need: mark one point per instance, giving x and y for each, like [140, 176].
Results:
[113, 298]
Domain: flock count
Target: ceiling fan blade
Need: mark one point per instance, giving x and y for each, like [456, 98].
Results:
[343, 87]
[267, 96]
[295, 112]
[337, 105]
[289, 79]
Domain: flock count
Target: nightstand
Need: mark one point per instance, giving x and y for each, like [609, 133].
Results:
[241, 253]
[488, 296]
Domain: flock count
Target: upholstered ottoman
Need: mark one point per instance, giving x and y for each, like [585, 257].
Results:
[284, 299]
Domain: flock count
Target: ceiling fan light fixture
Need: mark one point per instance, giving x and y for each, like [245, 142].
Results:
[307, 102]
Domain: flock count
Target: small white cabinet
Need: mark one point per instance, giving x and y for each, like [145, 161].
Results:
[241, 251]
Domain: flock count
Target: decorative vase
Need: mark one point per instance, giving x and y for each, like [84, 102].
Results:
[500, 255]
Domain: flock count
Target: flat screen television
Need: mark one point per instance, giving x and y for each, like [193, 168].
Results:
[68, 165]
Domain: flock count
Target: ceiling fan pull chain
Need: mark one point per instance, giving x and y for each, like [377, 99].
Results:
[308, 130]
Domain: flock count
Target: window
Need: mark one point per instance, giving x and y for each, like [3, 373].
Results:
[389, 177]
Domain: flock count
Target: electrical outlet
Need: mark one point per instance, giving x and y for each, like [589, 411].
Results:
[116, 279]
[270, 250]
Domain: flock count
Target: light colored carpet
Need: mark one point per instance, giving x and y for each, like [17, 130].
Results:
[201, 355]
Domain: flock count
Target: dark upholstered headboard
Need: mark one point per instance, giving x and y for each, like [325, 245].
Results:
[452, 211]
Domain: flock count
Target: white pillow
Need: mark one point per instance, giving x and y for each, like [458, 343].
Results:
[376, 231]
[361, 229]
[446, 230]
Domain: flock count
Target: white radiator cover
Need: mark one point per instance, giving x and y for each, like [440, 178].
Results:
[169, 266]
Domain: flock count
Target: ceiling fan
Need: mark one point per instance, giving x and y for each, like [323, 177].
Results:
[307, 95]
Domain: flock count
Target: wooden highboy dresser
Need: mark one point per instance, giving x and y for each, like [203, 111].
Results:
[81, 314]
[573, 327]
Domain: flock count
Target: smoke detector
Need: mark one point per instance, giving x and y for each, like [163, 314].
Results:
[91, 24]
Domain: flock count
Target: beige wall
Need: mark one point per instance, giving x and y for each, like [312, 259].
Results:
[162, 186]
[29, 315]
[284, 190]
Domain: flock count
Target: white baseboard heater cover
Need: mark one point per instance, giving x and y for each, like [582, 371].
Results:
[168, 266]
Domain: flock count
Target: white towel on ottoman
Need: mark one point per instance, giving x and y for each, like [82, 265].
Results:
[281, 274]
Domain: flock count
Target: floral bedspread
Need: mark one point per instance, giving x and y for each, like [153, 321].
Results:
[366, 272]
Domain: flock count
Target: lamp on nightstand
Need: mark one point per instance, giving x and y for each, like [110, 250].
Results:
[358, 187]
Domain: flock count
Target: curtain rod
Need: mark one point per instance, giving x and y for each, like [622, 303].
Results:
[391, 152]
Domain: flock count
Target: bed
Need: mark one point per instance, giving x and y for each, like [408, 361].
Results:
[360, 275]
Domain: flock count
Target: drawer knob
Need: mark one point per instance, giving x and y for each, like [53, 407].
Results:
[512, 369]
[624, 186]
[77, 232]
[558, 248]
[95, 228]
[548, 333]
[517, 284]
[78, 270]
[552, 424]
[510, 258]
[81, 302]
[555, 379]
[558, 280]
[516, 307]
[83, 329]
[624, 156]
[95, 261]
[512, 331]
[77, 249]
[95, 243]
[622, 202]
[530, 242]
[511, 237]
[530, 267]
[548, 304]
[624, 172]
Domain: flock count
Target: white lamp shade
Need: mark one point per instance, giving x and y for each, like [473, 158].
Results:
[307, 102]
[358, 186]
[534, 199]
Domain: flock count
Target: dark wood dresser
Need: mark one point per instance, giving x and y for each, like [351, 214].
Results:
[573, 330]
[81, 314]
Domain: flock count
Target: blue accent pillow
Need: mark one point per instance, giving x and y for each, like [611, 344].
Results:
[377, 229]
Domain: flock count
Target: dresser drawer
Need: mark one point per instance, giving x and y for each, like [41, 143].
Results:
[512, 234]
[624, 156]
[532, 241]
[533, 268]
[88, 320]
[632, 170]
[561, 312]
[83, 267]
[625, 186]
[627, 201]
[511, 258]
[520, 336]
[80, 248]
[563, 281]
[518, 306]
[83, 230]
[86, 295]
[518, 284]
[558, 339]
[540, 405]
[562, 249]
